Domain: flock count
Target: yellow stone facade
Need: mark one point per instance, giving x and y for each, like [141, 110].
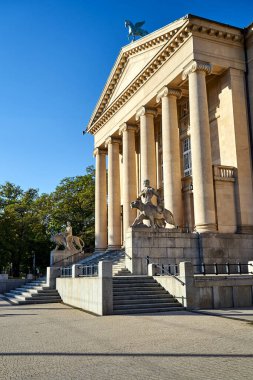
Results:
[177, 109]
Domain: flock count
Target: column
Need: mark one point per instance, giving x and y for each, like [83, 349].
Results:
[171, 153]
[237, 108]
[147, 144]
[129, 174]
[114, 220]
[100, 200]
[203, 191]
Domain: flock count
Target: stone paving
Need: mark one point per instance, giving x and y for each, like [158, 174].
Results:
[242, 314]
[58, 342]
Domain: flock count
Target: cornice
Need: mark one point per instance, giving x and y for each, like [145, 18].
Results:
[167, 91]
[197, 66]
[174, 39]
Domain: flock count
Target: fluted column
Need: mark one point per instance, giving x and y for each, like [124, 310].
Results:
[129, 174]
[100, 200]
[203, 191]
[171, 152]
[114, 219]
[147, 144]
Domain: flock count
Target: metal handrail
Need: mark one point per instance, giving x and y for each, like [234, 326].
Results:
[88, 270]
[66, 271]
[128, 256]
[227, 266]
[164, 270]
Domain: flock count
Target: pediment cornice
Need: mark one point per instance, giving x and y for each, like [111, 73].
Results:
[170, 40]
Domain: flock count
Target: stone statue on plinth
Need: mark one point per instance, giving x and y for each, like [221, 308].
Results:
[156, 214]
[71, 244]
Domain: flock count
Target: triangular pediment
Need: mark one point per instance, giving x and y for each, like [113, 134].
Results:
[133, 67]
[140, 60]
[132, 59]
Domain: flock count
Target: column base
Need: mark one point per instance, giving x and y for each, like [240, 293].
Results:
[201, 228]
[113, 247]
[100, 250]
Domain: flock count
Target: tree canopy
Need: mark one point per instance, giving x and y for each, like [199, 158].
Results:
[28, 219]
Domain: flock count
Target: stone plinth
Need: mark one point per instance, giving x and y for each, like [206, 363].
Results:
[64, 257]
[171, 247]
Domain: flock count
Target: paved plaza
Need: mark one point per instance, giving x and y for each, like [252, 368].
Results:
[58, 342]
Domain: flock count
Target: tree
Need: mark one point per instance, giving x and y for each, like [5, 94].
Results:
[74, 201]
[27, 220]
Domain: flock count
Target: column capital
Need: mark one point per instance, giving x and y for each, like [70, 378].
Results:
[126, 127]
[197, 66]
[166, 91]
[112, 140]
[145, 111]
[98, 151]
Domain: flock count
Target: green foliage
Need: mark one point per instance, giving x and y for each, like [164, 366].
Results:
[28, 219]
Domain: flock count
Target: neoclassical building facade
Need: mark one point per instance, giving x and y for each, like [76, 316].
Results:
[177, 110]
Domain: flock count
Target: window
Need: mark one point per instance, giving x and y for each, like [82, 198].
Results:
[187, 160]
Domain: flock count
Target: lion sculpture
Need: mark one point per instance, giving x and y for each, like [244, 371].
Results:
[150, 212]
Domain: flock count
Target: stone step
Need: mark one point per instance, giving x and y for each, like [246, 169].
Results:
[142, 290]
[33, 293]
[148, 310]
[136, 287]
[144, 301]
[145, 306]
[124, 281]
[49, 298]
[37, 282]
[29, 302]
[134, 283]
[141, 296]
[36, 287]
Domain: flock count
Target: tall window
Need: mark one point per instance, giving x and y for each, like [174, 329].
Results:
[187, 160]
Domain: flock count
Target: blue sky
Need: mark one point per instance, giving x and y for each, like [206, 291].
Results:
[55, 57]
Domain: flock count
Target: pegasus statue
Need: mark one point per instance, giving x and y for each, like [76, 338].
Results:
[135, 30]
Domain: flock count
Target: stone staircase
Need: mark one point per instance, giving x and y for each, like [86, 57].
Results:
[117, 258]
[35, 292]
[141, 294]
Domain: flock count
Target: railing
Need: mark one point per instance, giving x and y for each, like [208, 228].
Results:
[66, 272]
[87, 270]
[72, 259]
[166, 270]
[224, 268]
[223, 172]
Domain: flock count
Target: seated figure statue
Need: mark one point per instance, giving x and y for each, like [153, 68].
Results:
[156, 214]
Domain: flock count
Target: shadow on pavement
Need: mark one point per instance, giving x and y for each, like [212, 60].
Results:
[127, 354]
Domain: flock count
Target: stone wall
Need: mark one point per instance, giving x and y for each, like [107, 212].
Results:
[93, 294]
[165, 247]
[10, 284]
[210, 291]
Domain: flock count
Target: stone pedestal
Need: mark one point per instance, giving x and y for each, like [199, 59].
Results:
[171, 247]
